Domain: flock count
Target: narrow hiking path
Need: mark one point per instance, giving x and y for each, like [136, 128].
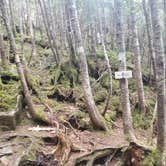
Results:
[19, 145]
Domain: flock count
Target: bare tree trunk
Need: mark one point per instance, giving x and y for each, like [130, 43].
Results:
[150, 41]
[164, 1]
[127, 118]
[6, 21]
[160, 79]
[4, 57]
[12, 17]
[106, 58]
[24, 61]
[137, 58]
[95, 116]
[49, 35]
[31, 30]
[69, 36]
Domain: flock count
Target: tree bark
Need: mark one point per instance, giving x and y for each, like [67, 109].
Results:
[160, 78]
[137, 58]
[4, 57]
[6, 21]
[95, 116]
[19, 66]
[12, 17]
[69, 36]
[102, 34]
[125, 103]
[31, 30]
[150, 41]
[164, 1]
[48, 31]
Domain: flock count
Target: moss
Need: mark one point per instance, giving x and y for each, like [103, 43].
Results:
[110, 116]
[105, 81]
[78, 114]
[100, 94]
[141, 121]
[9, 75]
[8, 95]
[132, 85]
[62, 93]
[62, 118]
[151, 159]
[40, 112]
[115, 103]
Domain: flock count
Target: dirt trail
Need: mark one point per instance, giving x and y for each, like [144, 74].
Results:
[15, 144]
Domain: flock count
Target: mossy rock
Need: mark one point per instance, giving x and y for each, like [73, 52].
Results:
[9, 120]
[79, 120]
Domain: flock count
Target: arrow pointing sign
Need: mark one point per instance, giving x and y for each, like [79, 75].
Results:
[123, 74]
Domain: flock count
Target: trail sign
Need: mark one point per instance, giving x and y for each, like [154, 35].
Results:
[123, 74]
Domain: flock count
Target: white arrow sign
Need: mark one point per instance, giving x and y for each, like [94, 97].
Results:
[123, 74]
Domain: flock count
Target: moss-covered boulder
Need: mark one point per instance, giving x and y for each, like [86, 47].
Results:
[9, 120]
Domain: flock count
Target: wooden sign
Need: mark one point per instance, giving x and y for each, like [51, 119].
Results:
[123, 74]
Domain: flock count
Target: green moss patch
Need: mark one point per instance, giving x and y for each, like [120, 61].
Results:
[8, 95]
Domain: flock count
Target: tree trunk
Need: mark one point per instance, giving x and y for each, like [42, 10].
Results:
[150, 41]
[12, 17]
[4, 57]
[160, 77]
[18, 64]
[127, 118]
[164, 1]
[6, 21]
[137, 58]
[48, 31]
[95, 116]
[69, 36]
[105, 57]
[31, 30]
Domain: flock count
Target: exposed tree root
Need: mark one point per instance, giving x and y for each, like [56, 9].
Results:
[64, 148]
[131, 155]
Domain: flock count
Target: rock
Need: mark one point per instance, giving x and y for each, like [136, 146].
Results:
[9, 120]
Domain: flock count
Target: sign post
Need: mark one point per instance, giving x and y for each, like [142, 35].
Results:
[123, 74]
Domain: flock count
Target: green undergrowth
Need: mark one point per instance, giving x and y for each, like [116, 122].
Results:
[8, 95]
[151, 159]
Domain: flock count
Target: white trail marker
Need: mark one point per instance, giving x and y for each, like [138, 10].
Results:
[123, 74]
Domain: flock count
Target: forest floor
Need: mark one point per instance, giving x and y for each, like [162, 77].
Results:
[73, 142]
[15, 145]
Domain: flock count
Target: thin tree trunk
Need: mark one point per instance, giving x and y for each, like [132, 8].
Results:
[12, 17]
[19, 65]
[31, 31]
[127, 118]
[150, 41]
[3, 54]
[106, 58]
[164, 1]
[6, 21]
[160, 79]
[69, 36]
[95, 116]
[137, 58]
[48, 31]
